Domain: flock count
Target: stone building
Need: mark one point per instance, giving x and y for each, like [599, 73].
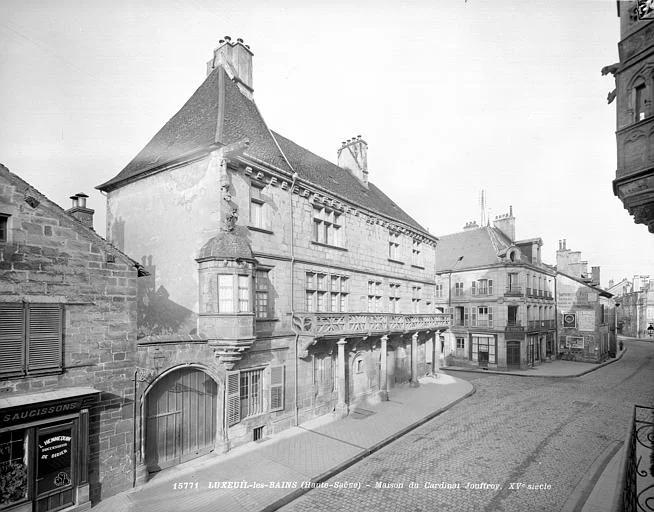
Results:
[500, 294]
[634, 76]
[635, 308]
[585, 312]
[68, 345]
[281, 286]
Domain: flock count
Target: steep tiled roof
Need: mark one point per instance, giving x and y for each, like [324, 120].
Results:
[219, 114]
[478, 247]
[199, 124]
[342, 182]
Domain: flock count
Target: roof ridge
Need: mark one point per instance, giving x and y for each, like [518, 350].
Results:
[89, 230]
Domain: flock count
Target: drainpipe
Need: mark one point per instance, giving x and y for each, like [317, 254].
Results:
[134, 434]
[297, 335]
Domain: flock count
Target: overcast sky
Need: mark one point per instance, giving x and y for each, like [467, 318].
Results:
[452, 98]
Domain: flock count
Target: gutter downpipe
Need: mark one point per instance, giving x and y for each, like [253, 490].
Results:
[297, 335]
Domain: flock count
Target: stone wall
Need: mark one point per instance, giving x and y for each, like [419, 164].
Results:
[51, 257]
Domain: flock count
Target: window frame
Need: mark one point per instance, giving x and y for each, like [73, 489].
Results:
[262, 288]
[4, 227]
[327, 226]
[394, 243]
[262, 220]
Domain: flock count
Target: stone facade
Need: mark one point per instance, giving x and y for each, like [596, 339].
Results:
[636, 312]
[49, 257]
[501, 297]
[296, 285]
[634, 76]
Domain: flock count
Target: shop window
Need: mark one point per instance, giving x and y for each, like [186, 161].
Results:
[483, 349]
[30, 338]
[13, 467]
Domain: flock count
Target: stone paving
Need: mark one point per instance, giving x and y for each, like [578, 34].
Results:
[517, 444]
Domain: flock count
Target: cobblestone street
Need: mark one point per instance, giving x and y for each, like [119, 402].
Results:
[517, 444]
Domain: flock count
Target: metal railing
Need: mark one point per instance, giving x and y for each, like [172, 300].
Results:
[638, 479]
[337, 324]
[514, 291]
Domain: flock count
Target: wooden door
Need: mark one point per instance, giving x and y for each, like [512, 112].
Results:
[181, 418]
[513, 354]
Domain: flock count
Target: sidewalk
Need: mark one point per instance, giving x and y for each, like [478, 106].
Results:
[555, 369]
[273, 472]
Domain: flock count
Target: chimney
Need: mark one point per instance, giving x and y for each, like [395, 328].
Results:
[236, 59]
[595, 273]
[470, 225]
[80, 211]
[506, 224]
[353, 156]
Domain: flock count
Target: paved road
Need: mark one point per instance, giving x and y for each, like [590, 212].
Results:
[533, 431]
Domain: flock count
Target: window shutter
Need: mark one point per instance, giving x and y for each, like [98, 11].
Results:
[474, 287]
[44, 336]
[490, 287]
[12, 336]
[276, 388]
[474, 317]
[233, 398]
[490, 316]
[466, 316]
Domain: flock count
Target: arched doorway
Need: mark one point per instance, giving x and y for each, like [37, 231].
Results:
[181, 412]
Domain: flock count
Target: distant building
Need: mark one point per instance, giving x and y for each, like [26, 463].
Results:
[67, 355]
[634, 75]
[282, 286]
[586, 325]
[636, 309]
[500, 294]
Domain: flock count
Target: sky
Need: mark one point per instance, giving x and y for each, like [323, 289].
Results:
[452, 97]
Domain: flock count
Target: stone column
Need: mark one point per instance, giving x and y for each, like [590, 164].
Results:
[383, 377]
[341, 405]
[414, 361]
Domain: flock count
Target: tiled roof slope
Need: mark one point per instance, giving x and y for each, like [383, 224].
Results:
[478, 247]
[199, 124]
[342, 182]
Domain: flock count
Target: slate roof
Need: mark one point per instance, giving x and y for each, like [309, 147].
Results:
[479, 247]
[219, 114]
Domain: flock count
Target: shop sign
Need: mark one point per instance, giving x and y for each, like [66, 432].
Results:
[39, 411]
[54, 460]
[586, 320]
